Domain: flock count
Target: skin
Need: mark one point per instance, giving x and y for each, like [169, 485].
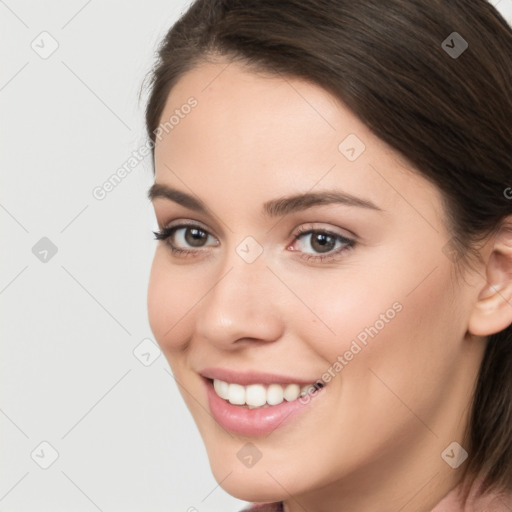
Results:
[373, 440]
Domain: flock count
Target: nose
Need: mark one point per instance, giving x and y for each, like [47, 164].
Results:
[242, 305]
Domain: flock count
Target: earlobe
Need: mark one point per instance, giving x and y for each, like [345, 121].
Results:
[492, 312]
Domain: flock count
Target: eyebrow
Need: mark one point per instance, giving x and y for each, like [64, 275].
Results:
[273, 208]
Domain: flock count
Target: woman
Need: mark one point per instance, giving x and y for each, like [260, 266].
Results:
[333, 284]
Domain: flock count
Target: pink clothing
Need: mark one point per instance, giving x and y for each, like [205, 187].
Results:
[451, 502]
[492, 502]
[264, 507]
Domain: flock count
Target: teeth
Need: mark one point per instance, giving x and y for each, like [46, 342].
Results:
[275, 394]
[291, 392]
[221, 388]
[236, 394]
[258, 395]
[255, 395]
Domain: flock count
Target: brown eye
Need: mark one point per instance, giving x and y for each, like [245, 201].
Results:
[321, 245]
[185, 238]
[322, 242]
[195, 237]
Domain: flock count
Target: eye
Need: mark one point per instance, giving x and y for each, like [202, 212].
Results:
[189, 239]
[325, 244]
[183, 238]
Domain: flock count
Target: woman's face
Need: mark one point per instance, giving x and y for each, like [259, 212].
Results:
[313, 253]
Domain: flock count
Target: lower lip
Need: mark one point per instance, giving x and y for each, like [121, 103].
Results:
[254, 422]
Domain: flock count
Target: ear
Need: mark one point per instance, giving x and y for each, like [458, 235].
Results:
[493, 310]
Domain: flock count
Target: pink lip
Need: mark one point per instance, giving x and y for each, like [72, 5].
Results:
[247, 378]
[254, 422]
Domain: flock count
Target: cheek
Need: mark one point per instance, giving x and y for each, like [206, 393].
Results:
[172, 295]
[402, 319]
[344, 305]
[408, 355]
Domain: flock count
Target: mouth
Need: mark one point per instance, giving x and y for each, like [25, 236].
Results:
[260, 396]
[256, 404]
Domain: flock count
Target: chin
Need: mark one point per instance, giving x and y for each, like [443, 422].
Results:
[248, 486]
[267, 481]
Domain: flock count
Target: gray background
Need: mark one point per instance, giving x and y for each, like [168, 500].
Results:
[73, 371]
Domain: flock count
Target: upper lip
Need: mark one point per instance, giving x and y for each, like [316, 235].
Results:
[252, 377]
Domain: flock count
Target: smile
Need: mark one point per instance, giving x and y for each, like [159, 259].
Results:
[257, 404]
[261, 395]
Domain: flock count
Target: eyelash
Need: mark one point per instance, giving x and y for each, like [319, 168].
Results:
[167, 232]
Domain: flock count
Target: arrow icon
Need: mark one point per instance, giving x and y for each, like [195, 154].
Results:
[249, 253]
[454, 455]
[44, 250]
[40, 45]
[249, 455]
[44, 455]
[351, 147]
[146, 352]
[454, 45]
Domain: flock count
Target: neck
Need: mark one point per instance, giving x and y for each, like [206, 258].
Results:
[405, 490]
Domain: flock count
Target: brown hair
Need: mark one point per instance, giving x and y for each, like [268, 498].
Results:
[450, 116]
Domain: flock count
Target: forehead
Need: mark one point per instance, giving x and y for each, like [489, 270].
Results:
[258, 132]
